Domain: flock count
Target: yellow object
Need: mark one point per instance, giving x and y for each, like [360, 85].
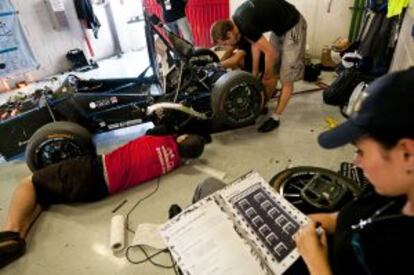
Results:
[395, 7]
[331, 122]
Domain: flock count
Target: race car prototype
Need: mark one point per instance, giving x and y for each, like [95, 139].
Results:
[184, 87]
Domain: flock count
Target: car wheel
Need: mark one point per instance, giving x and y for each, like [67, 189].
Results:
[58, 141]
[203, 56]
[314, 189]
[237, 99]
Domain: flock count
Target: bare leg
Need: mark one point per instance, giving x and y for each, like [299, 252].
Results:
[271, 87]
[285, 95]
[23, 209]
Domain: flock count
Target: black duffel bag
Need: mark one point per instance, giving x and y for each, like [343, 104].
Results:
[341, 89]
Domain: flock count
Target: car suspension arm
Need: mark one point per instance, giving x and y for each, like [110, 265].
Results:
[176, 106]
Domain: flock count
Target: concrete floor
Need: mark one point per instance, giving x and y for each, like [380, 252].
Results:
[74, 239]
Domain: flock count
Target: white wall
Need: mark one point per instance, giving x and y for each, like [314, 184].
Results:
[404, 52]
[50, 46]
[131, 35]
[323, 27]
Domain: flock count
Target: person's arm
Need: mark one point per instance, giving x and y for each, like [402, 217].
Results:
[235, 61]
[255, 59]
[226, 52]
[313, 247]
[327, 221]
[271, 56]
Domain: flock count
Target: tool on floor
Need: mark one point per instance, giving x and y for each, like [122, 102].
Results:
[331, 122]
[119, 206]
[117, 235]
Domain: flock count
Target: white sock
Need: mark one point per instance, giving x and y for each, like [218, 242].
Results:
[275, 117]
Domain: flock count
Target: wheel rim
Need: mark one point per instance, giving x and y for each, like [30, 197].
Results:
[294, 188]
[242, 102]
[57, 149]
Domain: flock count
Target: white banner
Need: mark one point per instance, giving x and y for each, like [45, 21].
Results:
[15, 53]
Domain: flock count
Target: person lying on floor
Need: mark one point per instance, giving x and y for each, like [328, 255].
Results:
[91, 178]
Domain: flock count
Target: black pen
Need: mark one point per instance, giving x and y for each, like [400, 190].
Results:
[119, 206]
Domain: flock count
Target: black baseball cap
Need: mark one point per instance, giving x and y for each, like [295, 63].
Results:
[385, 109]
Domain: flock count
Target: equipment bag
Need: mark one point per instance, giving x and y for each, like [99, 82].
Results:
[341, 89]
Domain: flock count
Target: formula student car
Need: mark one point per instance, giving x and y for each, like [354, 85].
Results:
[185, 89]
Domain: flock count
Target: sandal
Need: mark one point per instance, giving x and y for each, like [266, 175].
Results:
[12, 247]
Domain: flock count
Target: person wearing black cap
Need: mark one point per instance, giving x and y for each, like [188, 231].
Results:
[373, 234]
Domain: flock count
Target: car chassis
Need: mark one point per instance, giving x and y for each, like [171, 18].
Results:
[187, 88]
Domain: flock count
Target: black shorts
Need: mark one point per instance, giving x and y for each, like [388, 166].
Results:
[79, 179]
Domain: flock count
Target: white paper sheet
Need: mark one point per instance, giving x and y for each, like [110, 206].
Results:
[266, 218]
[201, 252]
[147, 234]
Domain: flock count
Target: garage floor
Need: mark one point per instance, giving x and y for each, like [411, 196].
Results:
[74, 239]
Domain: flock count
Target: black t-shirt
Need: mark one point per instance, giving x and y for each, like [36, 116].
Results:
[172, 9]
[379, 247]
[255, 17]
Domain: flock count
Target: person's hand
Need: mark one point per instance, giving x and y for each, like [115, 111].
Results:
[313, 248]
[327, 221]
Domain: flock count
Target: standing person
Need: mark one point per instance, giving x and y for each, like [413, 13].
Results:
[284, 53]
[175, 18]
[90, 178]
[374, 233]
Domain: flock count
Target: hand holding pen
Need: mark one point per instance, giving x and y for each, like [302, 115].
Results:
[312, 245]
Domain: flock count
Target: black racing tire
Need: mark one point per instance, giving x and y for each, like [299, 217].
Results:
[211, 57]
[289, 184]
[57, 141]
[237, 99]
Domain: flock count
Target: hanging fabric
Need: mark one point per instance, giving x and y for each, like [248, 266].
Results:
[395, 7]
[84, 10]
[15, 53]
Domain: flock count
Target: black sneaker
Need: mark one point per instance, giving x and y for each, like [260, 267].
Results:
[269, 125]
[174, 210]
[12, 247]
